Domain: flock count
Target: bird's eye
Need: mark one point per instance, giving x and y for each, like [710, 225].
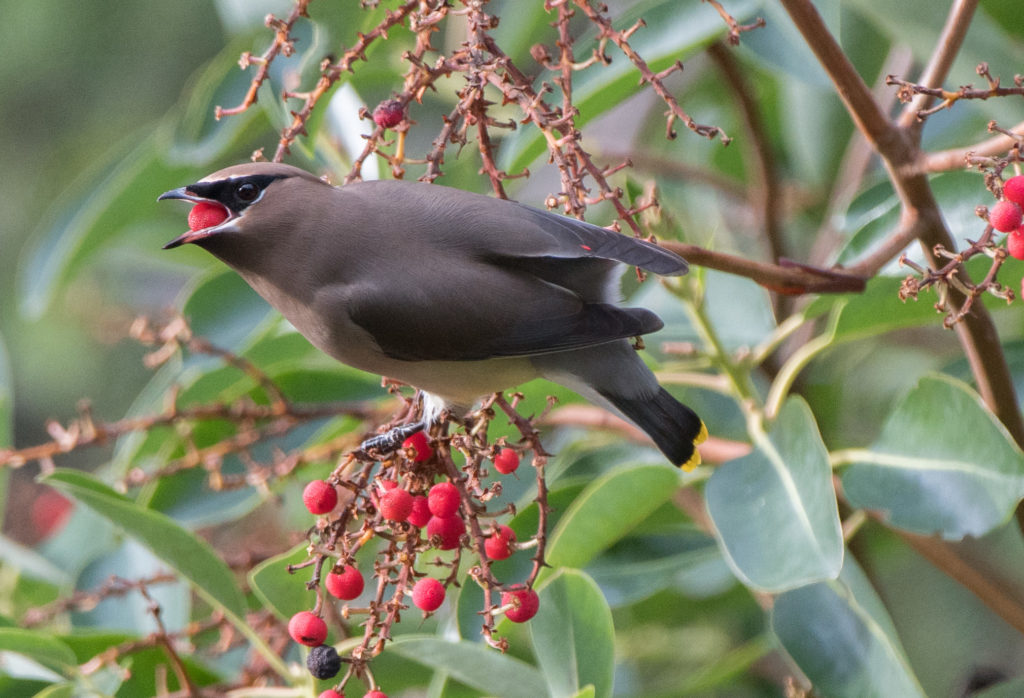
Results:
[247, 191]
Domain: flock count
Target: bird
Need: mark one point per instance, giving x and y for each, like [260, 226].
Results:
[457, 294]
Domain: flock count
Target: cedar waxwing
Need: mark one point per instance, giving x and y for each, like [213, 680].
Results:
[458, 294]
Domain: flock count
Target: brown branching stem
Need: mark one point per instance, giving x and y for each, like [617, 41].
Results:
[899, 148]
[920, 210]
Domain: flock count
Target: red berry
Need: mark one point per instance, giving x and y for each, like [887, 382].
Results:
[506, 461]
[499, 545]
[420, 514]
[206, 215]
[1015, 243]
[320, 497]
[428, 594]
[307, 629]
[443, 500]
[448, 529]
[1013, 190]
[1005, 216]
[49, 511]
[389, 113]
[388, 485]
[396, 505]
[331, 693]
[376, 694]
[419, 444]
[347, 585]
[526, 606]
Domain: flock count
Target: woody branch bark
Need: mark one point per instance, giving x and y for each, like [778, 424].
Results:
[921, 218]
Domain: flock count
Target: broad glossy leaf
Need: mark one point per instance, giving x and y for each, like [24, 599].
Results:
[573, 635]
[775, 511]
[223, 309]
[943, 464]
[283, 593]
[40, 647]
[607, 510]
[191, 557]
[739, 309]
[474, 664]
[875, 214]
[841, 637]
[132, 560]
[641, 566]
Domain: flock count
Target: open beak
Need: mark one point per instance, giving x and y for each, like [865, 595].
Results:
[194, 235]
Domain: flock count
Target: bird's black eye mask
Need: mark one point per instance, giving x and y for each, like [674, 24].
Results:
[236, 193]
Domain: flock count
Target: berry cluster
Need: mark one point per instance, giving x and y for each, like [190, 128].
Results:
[412, 502]
[1007, 216]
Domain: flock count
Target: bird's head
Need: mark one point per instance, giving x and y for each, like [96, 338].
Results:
[240, 202]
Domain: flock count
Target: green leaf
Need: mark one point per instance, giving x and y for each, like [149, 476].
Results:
[191, 557]
[607, 510]
[841, 637]
[223, 309]
[943, 464]
[917, 23]
[283, 593]
[573, 635]
[40, 647]
[57, 690]
[119, 193]
[477, 666]
[775, 510]
[641, 566]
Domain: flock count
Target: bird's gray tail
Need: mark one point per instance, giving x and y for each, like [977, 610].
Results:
[674, 427]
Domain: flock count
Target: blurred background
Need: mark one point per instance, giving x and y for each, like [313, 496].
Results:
[81, 84]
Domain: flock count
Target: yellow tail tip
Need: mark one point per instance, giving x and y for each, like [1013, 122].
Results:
[694, 460]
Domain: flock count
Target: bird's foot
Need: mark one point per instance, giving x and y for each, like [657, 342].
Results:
[390, 441]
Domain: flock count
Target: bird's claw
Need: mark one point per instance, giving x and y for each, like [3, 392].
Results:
[390, 440]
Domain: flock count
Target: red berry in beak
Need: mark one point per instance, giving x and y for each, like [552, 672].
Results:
[206, 215]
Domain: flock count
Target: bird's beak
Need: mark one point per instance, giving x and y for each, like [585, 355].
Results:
[180, 193]
[193, 235]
